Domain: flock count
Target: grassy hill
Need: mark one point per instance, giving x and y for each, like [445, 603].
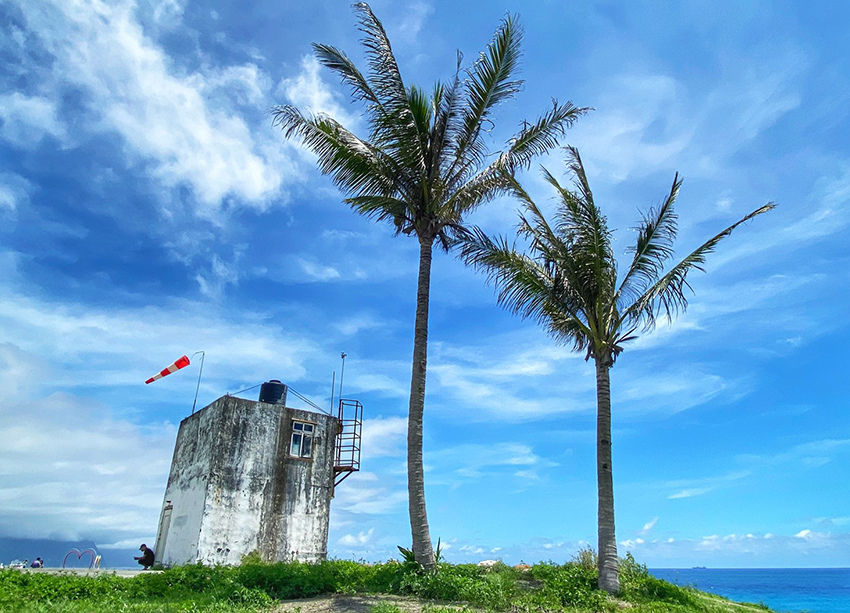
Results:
[350, 587]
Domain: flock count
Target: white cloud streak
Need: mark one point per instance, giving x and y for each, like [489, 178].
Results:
[70, 470]
[177, 123]
[26, 120]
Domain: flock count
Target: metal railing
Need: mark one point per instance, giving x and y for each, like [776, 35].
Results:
[347, 452]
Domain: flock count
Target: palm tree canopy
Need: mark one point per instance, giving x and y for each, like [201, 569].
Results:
[425, 163]
[569, 279]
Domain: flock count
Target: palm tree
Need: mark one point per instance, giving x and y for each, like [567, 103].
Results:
[569, 283]
[424, 165]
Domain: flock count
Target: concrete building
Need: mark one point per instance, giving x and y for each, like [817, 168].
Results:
[258, 477]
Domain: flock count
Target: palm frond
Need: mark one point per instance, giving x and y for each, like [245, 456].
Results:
[524, 286]
[541, 136]
[488, 83]
[654, 246]
[489, 183]
[354, 165]
[585, 231]
[383, 208]
[583, 196]
[568, 329]
[533, 225]
[667, 295]
[446, 103]
[336, 60]
[415, 151]
[384, 76]
[558, 254]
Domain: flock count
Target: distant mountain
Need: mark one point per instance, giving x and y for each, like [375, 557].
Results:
[53, 553]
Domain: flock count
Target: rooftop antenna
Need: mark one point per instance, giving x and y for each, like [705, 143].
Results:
[333, 384]
[341, 374]
[200, 371]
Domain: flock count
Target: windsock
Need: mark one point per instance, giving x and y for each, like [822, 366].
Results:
[177, 365]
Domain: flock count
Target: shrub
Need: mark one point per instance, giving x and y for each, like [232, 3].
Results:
[568, 585]
[586, 558]
[638, 585]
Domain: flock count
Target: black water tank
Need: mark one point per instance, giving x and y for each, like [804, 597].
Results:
[273, 392]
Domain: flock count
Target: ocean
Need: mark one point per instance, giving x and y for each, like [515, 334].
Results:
[794, 590]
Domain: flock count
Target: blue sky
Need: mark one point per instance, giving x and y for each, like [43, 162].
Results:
[148, 209]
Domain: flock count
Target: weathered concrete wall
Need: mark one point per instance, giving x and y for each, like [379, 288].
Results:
[240, 469]
[297, 528]
[235, 488]
[187, 489]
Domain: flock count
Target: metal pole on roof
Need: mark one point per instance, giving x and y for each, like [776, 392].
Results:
[341, 375]
[333, 385]
[200, 372]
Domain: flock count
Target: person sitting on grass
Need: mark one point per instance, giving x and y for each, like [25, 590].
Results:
[146, 559]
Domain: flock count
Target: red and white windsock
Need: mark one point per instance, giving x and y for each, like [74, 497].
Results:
[177, 365]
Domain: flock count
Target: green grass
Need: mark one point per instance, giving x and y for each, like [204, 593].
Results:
[258, 587]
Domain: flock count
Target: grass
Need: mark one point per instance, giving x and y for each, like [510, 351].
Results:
[258, 587]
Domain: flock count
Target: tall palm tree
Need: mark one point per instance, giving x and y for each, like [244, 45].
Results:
[568, 282]
[423, 167]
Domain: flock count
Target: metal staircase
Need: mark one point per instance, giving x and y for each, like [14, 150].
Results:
[347, 452]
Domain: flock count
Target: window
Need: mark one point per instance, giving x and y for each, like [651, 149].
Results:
[302, 440]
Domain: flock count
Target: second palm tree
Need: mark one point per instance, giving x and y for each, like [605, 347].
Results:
[568, 282]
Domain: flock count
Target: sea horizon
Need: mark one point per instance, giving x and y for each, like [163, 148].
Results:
[783, 589]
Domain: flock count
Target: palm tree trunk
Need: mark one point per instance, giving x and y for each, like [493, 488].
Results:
[609, 579]
[415, 470]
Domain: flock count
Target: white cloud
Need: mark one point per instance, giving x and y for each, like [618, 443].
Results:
[631, 544]
[764, 94]
[14, 191]
[246, 85]
[310, 94]
[460, 464]
[812, 454]
[318, 272]
[474, 549]
[168, 11]
[384, 437]
[73, 348]
[221, 274]
[71, 470]
[650, 524]
[611, 135]
[364, 494]
[689, 488]
[361, 538]
[172, 121]
[689, 493]
[832, 521]
[481, 378]
[828, 216]
[382, 383]
[19, 372]
[357, 323]
[670, 392]
[489, 379]
[413, 20]
[26, 120]
[648, 121]
[122, 346]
